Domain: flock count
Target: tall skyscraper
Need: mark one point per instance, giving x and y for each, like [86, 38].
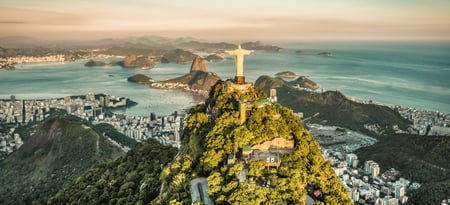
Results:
[371, 167]
[23, 111]
[273, 95]
[399, 192]
[152, 116]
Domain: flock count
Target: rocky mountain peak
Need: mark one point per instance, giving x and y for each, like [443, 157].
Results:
[198, 64]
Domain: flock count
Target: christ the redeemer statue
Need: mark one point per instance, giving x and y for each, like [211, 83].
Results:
[239, 54]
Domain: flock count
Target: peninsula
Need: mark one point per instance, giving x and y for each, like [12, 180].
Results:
[198, 80]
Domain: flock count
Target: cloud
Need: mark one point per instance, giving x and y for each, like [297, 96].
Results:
[264, 20]
[43, 17]
[13, 22]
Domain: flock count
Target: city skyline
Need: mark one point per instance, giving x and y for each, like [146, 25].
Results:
[230, 20]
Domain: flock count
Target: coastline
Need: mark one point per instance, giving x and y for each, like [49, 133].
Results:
[12, 61]
[351, 71]
[180, 86]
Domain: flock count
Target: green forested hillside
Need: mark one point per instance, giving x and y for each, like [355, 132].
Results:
[132, 179]
[422, 159]
[333, 108]
[214, 131]
[61, 149]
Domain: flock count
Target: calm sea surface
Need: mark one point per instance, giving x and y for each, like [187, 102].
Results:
[412, 74]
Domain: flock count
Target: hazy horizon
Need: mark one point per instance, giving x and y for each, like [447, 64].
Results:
[231, 20]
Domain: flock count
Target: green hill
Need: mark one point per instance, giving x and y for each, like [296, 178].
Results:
[420, 159]
[140, 78]
[333, 108]
[179, 56]
[216, 145]
[61, 149]
[132, 179]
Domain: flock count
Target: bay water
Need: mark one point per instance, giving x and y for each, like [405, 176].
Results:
[409, 74]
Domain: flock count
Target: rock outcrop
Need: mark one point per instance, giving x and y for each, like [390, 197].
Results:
[198, 64]
[128, 61]
[304, 82]
[133, 61]
[92, 63]
[203, 80]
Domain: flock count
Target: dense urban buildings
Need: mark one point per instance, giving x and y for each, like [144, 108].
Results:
[91, 107]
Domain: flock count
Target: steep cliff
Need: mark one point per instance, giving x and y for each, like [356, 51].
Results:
[198, 64]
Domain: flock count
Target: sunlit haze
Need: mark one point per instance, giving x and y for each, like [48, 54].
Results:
[214, 20]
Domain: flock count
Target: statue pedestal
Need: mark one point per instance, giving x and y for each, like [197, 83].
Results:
[233, 86]
[240, 80]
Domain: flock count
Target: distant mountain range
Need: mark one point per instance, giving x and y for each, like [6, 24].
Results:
[144, 45]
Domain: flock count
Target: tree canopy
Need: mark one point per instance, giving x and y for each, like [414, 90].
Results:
[218, 133]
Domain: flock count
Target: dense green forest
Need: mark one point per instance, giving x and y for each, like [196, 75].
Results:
[132, 179]
[109, 131]
[214, 131]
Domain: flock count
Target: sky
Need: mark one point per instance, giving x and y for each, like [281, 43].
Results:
[228, 20]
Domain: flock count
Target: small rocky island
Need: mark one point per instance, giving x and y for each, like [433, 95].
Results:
[141, 79]
[286, 74]
[93, 63]
[326, 54]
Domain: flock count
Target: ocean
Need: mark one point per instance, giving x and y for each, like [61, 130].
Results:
[409, 74]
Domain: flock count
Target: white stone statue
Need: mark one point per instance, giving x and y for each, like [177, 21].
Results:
[239, 54]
